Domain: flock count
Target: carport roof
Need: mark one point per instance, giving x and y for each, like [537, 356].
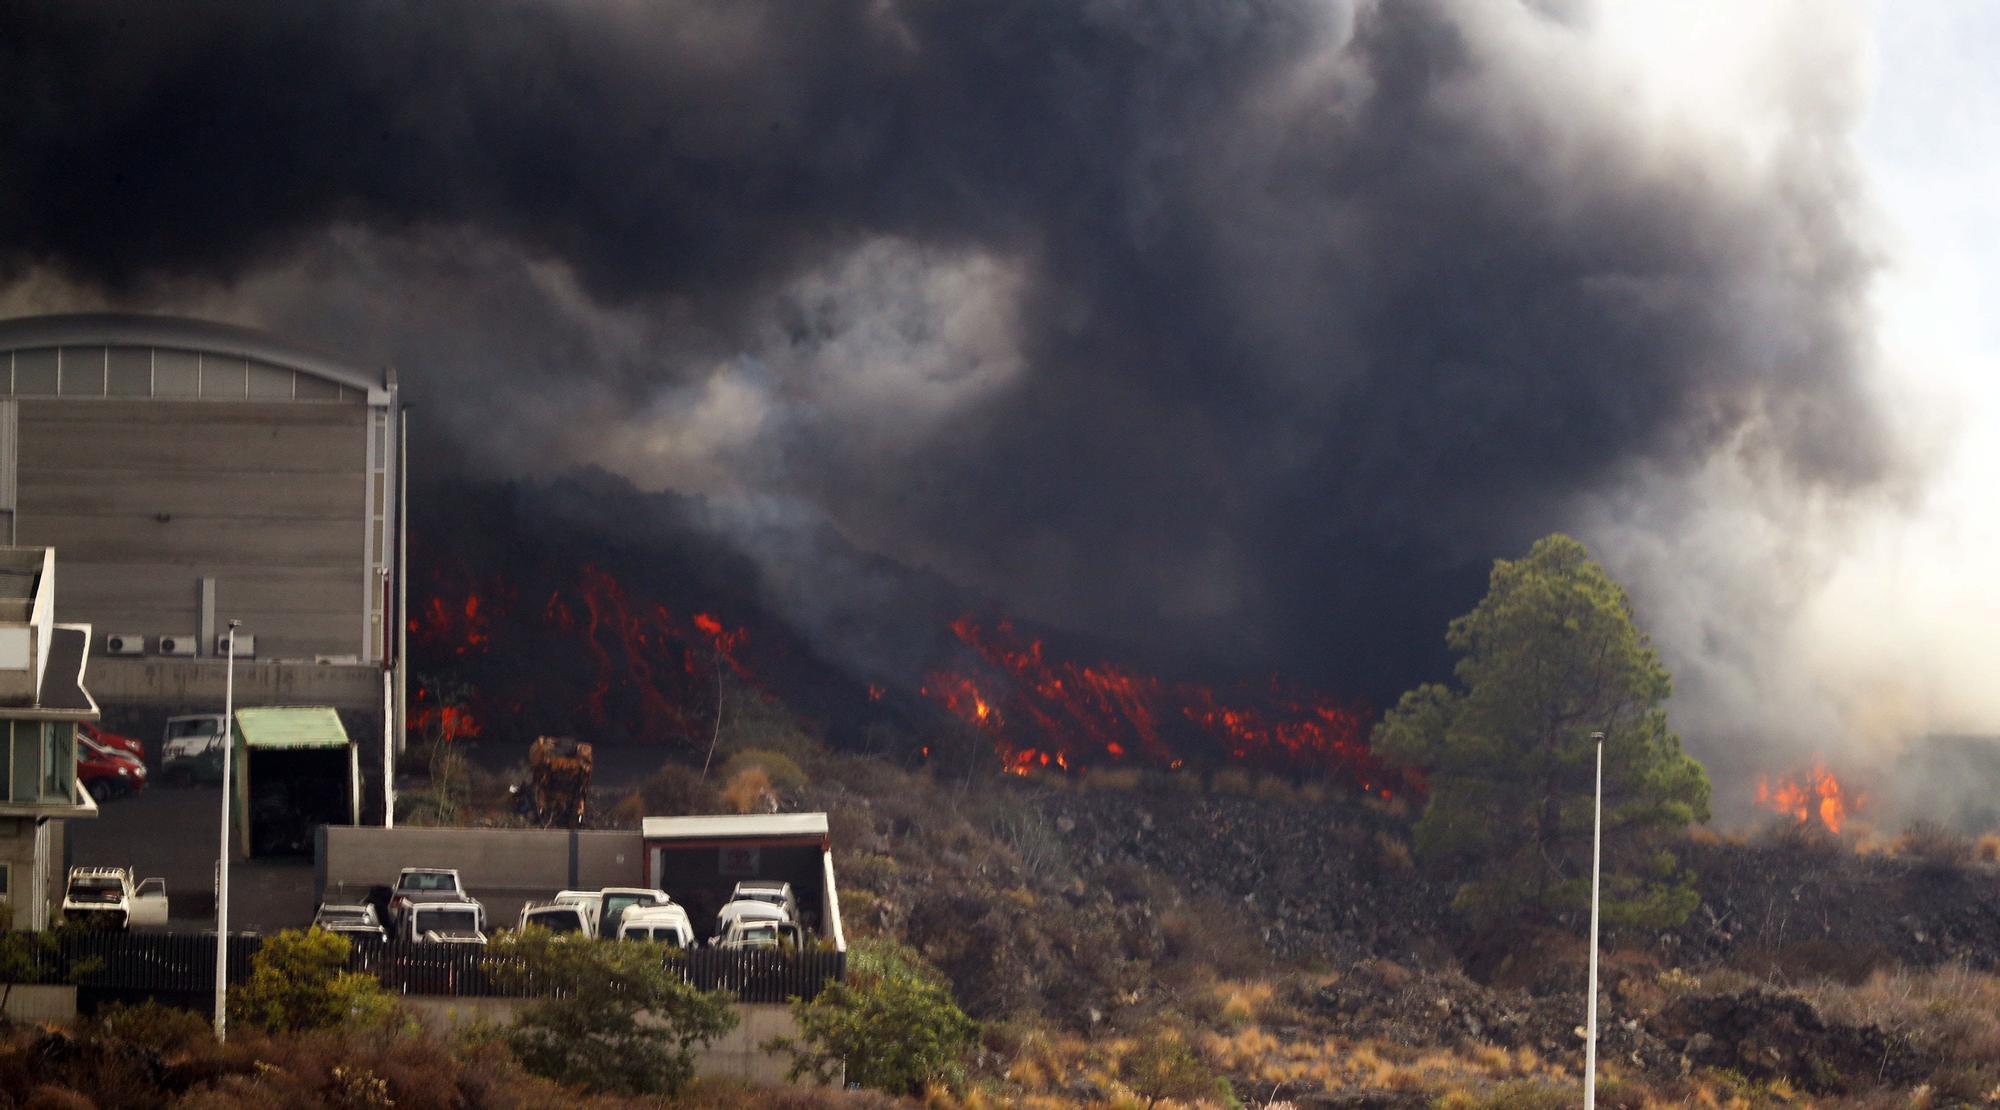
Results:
[291, 726]
[755, 826]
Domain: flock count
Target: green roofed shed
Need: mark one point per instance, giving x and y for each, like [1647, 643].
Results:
[291, 726]
[296, 769]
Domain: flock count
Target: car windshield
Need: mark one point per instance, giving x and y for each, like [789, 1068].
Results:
[758, 933]
[447, 921]
[333, 916]
[615, 904]
[668, 934]
[557, 921]
[427, 880]
[95, 890]
[192, 726]
[774, 897]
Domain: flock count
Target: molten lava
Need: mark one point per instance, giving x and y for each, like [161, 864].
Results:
[1041, 711]
[1818, 795]
[590, 655]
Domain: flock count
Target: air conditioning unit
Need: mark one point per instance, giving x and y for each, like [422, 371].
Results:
[246, 646]
[182, 644]
[124, 643]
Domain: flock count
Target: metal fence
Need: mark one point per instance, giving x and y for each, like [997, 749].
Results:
[184, 963]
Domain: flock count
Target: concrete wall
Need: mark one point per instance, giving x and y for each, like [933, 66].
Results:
[142, 498]
[174, 686]
[503, 868]
[738, 1054]
[40, 1003]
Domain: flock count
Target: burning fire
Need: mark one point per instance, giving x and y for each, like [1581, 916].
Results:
[588, 654]
[1817, 795]
[1046, 712]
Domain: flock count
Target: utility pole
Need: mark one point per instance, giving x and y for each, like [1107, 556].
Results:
[1596, 858]
[222, 847]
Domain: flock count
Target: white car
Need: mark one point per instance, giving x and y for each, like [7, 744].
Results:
[355, 921]
[765, 890]
[422, 886]
[617, 899]
[108, 896]
[750, 932]
[561, 917]
[191, 750]
[444, 923]
[662, 924]
[745, 910]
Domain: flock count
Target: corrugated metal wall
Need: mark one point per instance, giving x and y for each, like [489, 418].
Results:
[143, 498]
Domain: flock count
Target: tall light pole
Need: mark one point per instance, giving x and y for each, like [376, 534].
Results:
[222, 849]
[1596, 858]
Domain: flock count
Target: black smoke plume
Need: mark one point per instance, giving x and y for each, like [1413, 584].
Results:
[1244, 331]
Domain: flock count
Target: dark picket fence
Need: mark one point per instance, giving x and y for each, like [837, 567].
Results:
[184, 963]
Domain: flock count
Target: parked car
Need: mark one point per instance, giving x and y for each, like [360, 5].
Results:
[562, 917]
[421, 886]
[356, 921]
[663, 924]
[616, 899]
[191, 750]
[742, 910]
[107, 897]
[104, 737]
[444, 923]
[107, 772]
[750, 933]
[765, 890]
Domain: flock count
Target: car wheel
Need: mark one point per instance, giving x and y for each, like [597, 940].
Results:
[100, 790]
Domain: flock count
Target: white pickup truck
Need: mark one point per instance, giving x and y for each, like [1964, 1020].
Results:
[107, 896]
[443, 923]
[417, 887]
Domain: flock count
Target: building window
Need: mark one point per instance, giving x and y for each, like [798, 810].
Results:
[27, 753]
[58, 760]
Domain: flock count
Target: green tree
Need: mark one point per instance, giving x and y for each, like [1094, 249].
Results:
[298, 982]
[619, 1020]
[1551, 655]
[892, 1023]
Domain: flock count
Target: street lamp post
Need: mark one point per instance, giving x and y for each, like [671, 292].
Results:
[1596, 857]
[222, 849]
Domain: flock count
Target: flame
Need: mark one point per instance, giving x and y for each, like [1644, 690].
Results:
[443, 722]
[1818, 795]
[591, 653]
[1041, 712]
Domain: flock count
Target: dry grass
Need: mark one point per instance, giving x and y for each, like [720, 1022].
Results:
[1122, 780]
[1950, 1012]
[1335, 1064]
[1230, 780]
[1932, 845]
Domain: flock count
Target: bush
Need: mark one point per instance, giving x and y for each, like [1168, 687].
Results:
[1164, 1067]
[296, 984]
[1934, 847]
[893, 1023]
[162, 1029]
[674, 790]
[621, 1021]
[781, 769]
[749, 791]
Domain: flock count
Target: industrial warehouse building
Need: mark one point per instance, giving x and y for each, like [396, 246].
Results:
[190, 473]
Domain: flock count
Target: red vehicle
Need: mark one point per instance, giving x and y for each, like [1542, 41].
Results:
[107, 772]
[105, 738]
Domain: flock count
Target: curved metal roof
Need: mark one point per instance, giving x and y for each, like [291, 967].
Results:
[107, 329]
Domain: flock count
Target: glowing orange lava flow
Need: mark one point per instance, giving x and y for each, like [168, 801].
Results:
[1041, 711]
[1818, 795]
[591, 655]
